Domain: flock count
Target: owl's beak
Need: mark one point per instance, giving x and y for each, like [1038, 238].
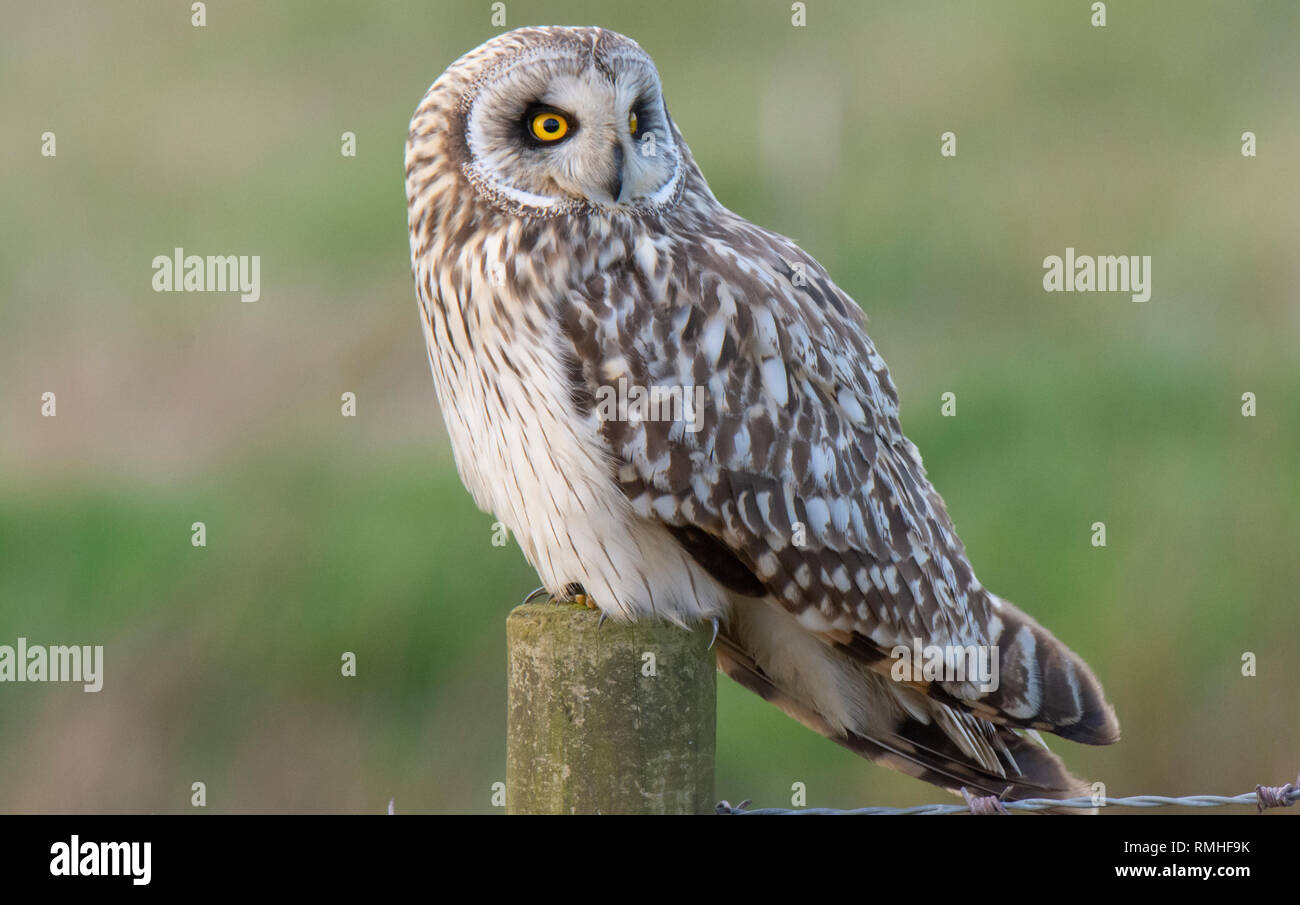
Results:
[615, 184]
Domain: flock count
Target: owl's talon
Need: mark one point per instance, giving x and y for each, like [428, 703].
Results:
[601, 620]
[539, 592]
[714, 639]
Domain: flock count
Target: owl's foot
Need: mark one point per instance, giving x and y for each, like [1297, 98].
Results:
[574, 593]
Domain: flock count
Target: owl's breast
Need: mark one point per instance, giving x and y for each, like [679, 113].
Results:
[531, 459]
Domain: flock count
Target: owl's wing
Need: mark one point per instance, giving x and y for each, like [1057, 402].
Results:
[786, 472]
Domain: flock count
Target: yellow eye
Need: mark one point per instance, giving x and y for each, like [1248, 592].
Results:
[549, 126]
[631, 123]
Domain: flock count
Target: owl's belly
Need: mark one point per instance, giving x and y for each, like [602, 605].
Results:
[528, 458]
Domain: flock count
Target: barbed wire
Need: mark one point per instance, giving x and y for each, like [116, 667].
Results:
[1263, 797]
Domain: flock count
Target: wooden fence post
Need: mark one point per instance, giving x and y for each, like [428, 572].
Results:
[609, 719]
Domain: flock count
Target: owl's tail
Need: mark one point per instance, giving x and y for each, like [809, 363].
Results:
[1044, 685]
[836, 694]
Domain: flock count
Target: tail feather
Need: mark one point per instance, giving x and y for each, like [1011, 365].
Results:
[840, 697]
[1043, 684]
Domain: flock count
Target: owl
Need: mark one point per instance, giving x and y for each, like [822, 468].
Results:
[680, 416]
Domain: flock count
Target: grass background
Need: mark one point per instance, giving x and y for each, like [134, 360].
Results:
[328, 534]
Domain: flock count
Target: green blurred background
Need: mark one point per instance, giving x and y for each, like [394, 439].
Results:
[328, 534]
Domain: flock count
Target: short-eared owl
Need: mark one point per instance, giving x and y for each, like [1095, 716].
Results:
[568, 253]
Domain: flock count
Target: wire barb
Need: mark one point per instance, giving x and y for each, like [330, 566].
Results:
[1276, 796]
[985, 804]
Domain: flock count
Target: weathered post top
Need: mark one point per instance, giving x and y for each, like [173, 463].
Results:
[609, 719]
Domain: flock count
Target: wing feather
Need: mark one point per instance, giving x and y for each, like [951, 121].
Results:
[790, 473]
[799, 466]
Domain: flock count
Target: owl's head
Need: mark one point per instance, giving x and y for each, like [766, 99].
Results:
[552, 120]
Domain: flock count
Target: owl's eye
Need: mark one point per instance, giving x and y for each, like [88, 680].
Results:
[549, 126]
[632, 122]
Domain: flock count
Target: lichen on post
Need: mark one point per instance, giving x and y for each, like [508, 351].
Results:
[610, 719]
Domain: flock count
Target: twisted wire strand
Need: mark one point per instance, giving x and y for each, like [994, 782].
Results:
[1263, 797]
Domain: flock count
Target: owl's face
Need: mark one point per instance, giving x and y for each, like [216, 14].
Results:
[578, 119]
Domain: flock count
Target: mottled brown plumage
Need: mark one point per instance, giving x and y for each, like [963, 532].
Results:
[790, 506]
